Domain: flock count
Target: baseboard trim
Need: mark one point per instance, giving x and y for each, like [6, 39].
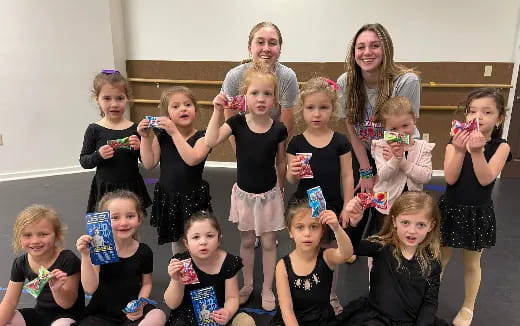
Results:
[78, 169]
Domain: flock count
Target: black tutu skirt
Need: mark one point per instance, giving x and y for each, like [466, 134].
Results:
[360, 313]
[170, 210]
[98, 188]
[310, 317]
[471, 227]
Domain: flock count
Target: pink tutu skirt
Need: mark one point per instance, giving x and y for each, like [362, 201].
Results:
[257, 212]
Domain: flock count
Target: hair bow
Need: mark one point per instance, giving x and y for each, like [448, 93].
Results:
[331, 83]
[110, 71]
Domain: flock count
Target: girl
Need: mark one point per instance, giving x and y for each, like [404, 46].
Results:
[372, 77]
[264, 46]
[213, 266]
[256, 198]
[331, 161]
[181, 149]
[114, 285]
[471, 164]
[304, 277]
[38, 231]
[116, 168]
[404, 281]
[400, 167]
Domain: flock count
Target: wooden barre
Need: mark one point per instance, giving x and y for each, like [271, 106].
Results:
[207, 103]
[219, 82]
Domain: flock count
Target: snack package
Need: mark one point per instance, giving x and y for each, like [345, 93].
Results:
[306, 171]
[153, 121]
[237, 102]
[134, 305]
[188, 275]
[123, 143]
[457, 126]
[204, 302]
[316, 201]
[102, 247]
[377, 199]
[35, 287]
[394, 136]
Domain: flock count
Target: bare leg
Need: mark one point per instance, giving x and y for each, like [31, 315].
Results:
[153, 317]
[472, 277]
[268, 240]
[445, 258]
[247, 253]
[63, 322]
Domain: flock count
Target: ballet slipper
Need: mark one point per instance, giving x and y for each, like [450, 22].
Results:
[461, 320]
[244, 294]
[268, 300]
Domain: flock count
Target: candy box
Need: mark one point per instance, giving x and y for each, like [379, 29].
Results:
[204, 302]
[306, 171]
[188, 275]
[134, 305]
[102, 247]
[393, 136]
[316, 201]
[122, 143]
[153, 121]
[236, 102]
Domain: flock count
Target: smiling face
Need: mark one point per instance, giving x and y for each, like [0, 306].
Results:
[38, 238]
[368, 51]
[181, 110]
[202, 239]
[112, 101]
[485, 110]
[265, 46]
[305, 230]
[317, 110]
[402, 123]
[124, 218]
[412, 229]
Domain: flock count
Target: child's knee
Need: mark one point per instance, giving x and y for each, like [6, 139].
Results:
[243, 319]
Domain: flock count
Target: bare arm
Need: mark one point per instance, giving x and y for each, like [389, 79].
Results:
[231, 301]
[10, 301]
[146, 286]
[454, 156]
[150, 149]
[64, 288]
[175, 291]
[487, 172]
[191, 155]
[359, 148]
[293, 169]
[287, 118]
[284, 295]
[335, 256]
[281, 166]
[215, 133]
[347, 184]
[89, 272]
[228, 114]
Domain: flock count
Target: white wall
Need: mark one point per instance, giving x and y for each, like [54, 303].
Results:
[50, 52]
[443, 30]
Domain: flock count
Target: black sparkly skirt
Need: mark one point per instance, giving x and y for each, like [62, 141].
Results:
[170, 210]
[471, 227]
[98, 188]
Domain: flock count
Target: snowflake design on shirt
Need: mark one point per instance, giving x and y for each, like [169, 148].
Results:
[307, 283]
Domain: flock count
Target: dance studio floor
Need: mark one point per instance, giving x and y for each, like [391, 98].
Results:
[499, 298]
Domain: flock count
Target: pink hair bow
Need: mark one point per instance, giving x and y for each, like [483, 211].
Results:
[331, 83]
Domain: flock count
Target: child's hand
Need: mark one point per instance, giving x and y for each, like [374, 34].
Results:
[174, 269]
[343, 217]
[59, 278]
[354, 211]
[135, 315]
[143, 128]
[168, 125]
[460, 140]
[366, 184]
[221, 316]
[476, 142]
[82, 245]
[387, 153]
[397, 149]
[219, 102]
[106, 152]
[329, 217]
[295, 167]
[135, 143]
